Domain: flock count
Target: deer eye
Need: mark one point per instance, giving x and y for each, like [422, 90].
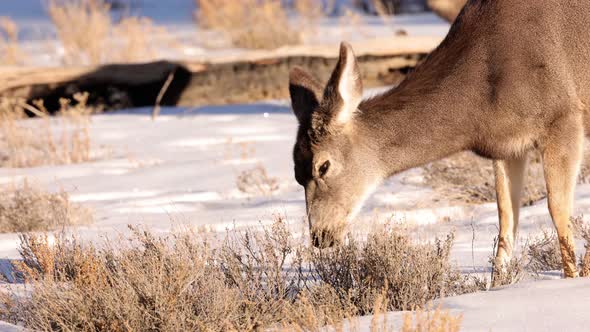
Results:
[324, 168]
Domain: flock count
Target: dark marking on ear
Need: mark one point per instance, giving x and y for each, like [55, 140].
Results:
[305, 91]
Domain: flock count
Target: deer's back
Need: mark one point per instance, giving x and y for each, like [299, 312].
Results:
[527, 63]
[523, 64]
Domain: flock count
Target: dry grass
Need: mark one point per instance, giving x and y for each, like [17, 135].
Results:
[10, 50]
[384, 8]
[83, 27]
[251, 281]
[26, 208]
[257, 24]
[138, 39]
[431, 321]
[257, 182]
[539, 254]
[360, 272]
[89, 35]
[467, 178]
[543, 253]
[582, 230]
[64, 139]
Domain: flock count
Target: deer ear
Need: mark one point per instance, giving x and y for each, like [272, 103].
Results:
[346, 84]
[305, 91]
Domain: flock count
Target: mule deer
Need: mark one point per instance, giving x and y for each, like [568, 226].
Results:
[510, 77]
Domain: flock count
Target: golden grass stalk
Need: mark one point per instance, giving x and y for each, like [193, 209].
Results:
[258, 24]
[83, 27]
[64, 139]
[437, 320]
[89, 35]
[10, 50]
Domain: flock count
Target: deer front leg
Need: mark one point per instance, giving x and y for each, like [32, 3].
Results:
[562, 155]
[509, 176]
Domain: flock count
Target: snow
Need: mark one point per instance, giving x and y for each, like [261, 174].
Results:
[150, 179]
[181, 170]
[6, 327]
[185, 41]
[551, 305]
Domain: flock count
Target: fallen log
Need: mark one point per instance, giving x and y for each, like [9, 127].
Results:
[241, 78]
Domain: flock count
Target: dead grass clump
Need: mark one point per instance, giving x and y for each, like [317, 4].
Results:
[257, 24]
[543, 253]
[468, 178]
[308, 14]
[10, 50]
[437, 320]
[83, 27]
[313, 10]
[509, 273]
[409, 274]
[26, 208]
[257, 182]
[89, 35]
[138, 39]
[463, 177]
[582, 229]
[64, 139]
[252, 281]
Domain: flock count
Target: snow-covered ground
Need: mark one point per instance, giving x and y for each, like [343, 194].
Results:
[551, 305]
[181, 171]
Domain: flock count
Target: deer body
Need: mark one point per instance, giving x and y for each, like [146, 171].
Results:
[509, 77]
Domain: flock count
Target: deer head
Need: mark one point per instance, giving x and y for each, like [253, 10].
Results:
[334, 161]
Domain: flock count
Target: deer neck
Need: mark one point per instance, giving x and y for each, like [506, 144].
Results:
[426, 118]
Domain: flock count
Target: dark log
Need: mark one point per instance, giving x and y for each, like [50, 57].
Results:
[245, 78]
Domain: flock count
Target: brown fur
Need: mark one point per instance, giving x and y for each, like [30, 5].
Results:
[509, 77]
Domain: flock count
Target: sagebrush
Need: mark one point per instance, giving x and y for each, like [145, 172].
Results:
[468, 178]
[89, 35]
[25, 208]
[258, 24]
[11, 52]
[46, 140]
[257, 182]
[251, 281]
[541, 254]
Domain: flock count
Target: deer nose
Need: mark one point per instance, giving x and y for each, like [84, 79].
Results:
[322, 239]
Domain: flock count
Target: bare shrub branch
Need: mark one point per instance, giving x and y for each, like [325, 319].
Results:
[582, 229]
[26, 208]
[252, 281]
[89, 35]
[64, 139]
[258, 24]
[256, 181]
